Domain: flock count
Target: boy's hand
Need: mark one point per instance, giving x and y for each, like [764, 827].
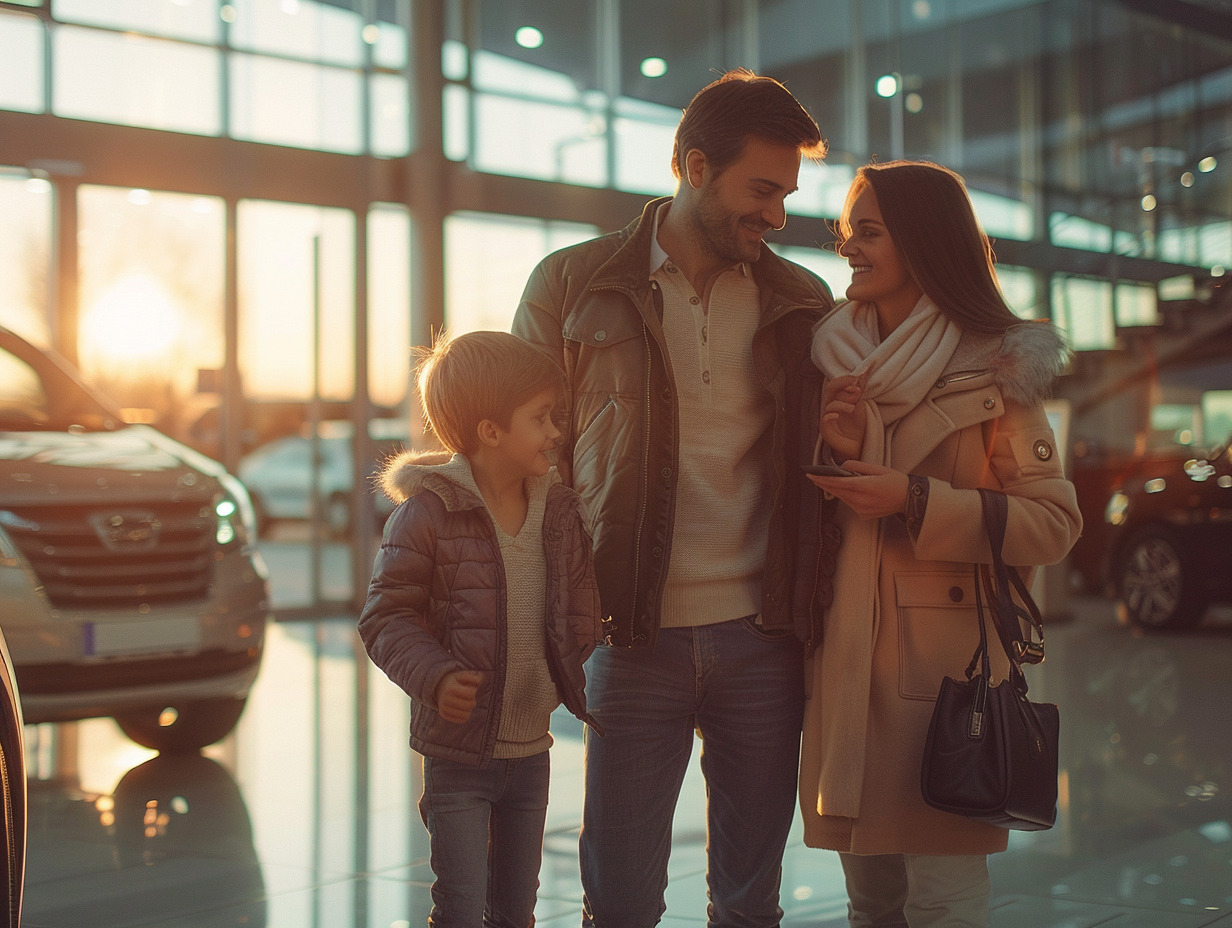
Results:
[455, 694]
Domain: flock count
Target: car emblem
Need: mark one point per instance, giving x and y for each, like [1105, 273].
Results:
[127, 531]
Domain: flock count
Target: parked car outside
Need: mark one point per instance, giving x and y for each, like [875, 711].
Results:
[1169, 539]
[279, 475]
[131, 584]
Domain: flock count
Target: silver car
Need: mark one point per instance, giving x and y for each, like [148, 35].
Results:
[130, 584]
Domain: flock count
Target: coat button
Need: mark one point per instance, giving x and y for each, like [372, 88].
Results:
[600, 335]
[657, 551]
[956, 594]
[666, 472]
[1043, 450]
[989, 402]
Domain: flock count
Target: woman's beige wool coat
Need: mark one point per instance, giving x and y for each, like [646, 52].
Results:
[982, 425]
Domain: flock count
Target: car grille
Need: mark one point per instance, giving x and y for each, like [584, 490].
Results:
[116, 557]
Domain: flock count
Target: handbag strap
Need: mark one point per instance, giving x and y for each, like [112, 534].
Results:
[1010, 614]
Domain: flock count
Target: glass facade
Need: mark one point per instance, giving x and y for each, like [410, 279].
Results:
[186, 154]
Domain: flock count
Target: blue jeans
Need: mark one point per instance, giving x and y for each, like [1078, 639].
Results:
[486, 830]
[743, 691]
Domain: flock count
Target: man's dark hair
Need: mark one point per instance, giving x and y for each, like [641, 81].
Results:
[724, 114]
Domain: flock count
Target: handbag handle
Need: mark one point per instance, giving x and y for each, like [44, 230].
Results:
[1008, 614]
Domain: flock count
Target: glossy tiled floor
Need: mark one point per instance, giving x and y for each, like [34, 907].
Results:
[306, 818]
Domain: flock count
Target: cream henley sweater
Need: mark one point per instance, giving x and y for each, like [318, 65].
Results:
[719, 537]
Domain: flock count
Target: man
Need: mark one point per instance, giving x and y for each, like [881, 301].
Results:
[691, 403]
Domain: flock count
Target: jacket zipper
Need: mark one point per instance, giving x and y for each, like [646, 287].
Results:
[958, 377]
[641, 516]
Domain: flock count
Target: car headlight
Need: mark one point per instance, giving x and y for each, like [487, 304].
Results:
[236, 519]
[1117, 510]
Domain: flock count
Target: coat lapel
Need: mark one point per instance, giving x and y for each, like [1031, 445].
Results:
[957, 405]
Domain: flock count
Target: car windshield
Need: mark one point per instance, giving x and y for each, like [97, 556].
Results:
[38, 395]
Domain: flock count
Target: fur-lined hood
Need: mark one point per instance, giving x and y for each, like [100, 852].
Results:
[404, 473]
[1024, 362]
[446, 474]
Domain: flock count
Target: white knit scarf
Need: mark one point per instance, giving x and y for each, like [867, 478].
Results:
[900, 372]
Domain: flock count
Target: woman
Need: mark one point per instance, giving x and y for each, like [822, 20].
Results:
[933, 389]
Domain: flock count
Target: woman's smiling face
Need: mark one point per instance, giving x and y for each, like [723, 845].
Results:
[878, 273]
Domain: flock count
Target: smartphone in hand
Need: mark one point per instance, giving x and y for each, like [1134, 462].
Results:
[827, 470]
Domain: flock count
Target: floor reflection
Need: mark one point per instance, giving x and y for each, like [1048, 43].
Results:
[172, 843]
[307, 815]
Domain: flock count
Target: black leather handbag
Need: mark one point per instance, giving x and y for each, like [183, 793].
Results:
[991, 753]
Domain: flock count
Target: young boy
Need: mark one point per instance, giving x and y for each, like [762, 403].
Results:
[483, 607]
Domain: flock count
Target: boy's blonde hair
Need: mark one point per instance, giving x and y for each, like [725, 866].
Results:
[479, 375]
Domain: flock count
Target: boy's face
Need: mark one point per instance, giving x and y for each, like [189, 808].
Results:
[531, 434]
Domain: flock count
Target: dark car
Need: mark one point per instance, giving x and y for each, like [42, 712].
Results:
[12, 793]
[1169, 539]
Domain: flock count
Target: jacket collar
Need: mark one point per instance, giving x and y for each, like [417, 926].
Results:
[450, 478]
[628, 268]
[1023, 362]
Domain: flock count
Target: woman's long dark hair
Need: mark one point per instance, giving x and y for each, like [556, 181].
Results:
[929, 216]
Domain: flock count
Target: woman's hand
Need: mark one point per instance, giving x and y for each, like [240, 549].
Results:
[843, 416]
[874, 492]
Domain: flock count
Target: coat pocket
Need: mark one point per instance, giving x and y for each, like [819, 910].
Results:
[937, 631]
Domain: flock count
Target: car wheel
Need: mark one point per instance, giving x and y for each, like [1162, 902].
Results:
[1156, 582]
[189, 726]
[338, 516]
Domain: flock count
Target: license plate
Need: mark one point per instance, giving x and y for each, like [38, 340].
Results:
[164, 635]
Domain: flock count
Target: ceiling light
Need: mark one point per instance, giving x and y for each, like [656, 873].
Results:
[528, 37]
[887, 85]
[654, 67]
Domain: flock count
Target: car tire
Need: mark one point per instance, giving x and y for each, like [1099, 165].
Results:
[193, 725]
[1157, 583]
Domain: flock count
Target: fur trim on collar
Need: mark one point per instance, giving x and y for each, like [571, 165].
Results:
[447, 475]
[404, 474]
[1031, 356]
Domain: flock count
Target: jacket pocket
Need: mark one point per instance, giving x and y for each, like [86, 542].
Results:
[937, 631]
